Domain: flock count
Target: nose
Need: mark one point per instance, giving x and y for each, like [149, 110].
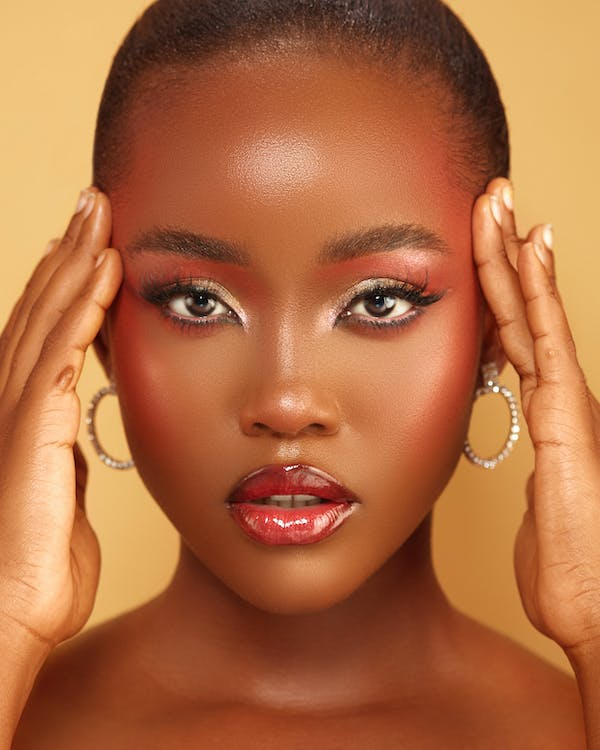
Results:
[290, 410]
[286, 393]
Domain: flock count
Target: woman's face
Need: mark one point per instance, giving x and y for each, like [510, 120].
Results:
[278, 344]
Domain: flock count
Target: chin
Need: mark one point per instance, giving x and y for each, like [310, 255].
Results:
[286, 602]
[298, 584]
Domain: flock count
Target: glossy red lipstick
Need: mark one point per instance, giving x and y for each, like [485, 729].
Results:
[290, 504]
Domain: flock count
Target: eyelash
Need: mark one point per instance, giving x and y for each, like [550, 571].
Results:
[161, 296]
[403, 290]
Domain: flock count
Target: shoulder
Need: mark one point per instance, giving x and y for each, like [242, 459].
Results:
[96, 691]
[517, 694]
[86, 690]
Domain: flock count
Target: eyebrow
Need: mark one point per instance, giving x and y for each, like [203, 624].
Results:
[189, 245]
[380, 240]
[385, 238]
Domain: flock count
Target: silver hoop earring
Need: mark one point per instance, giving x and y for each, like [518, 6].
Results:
[490, 373]
[112, 463]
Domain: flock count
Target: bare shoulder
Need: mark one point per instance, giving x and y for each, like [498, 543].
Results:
[85, 689]
[98, 691]
[524, 695]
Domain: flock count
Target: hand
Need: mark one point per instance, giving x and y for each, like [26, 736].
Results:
[557, 551]
[49, 554]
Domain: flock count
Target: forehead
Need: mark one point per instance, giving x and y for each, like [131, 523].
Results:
[285, 136]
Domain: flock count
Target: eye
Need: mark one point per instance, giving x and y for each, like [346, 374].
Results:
[386, 303]
[192, 302]
[380, 304]
[197, 303]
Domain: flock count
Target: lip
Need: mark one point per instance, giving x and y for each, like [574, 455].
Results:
[272, 525]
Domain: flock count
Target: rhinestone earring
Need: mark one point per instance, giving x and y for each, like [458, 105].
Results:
[491, 385]
[112, 463]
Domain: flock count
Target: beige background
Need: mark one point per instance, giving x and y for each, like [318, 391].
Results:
[54, 57]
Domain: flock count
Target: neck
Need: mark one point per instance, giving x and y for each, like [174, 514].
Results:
[396, 625]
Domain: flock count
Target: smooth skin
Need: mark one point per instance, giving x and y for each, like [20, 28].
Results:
[368, 652]
[50, 563]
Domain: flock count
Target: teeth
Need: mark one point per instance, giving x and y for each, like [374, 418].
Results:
[300, 501]
[283, 501]
[290, 501]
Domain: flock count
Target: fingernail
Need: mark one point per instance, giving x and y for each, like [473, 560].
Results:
[548, 236]
[496, 210]
[82, 200]
[508, 196]
[89, 205]
[539, 251]
[50, 247]
[100, 259]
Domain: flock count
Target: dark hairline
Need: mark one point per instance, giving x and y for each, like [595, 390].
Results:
[158, 79]
[176, 34]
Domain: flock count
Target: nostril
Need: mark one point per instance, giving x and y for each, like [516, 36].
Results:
[260, 428]
[285, 413]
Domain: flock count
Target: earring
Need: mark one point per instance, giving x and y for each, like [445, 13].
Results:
[490, 373]
[91, 429]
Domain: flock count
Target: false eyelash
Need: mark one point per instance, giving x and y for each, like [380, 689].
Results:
[159, 294]
[405, 290]
[153, 290]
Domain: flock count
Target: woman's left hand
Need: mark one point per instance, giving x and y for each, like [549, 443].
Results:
[557, 551]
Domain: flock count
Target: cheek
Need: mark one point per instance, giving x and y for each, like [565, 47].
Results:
[409, 402]
[436, 376]
[172, 390]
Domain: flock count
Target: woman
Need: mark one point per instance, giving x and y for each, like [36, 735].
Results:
[295, 193]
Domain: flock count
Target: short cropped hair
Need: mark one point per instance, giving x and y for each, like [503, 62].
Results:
[421, 37]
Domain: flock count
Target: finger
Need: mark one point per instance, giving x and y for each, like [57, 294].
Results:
[504, 208]
[561, 426]
[85, 205]
[562, 395]
[77, 328]
[51, 246]
[47, 398]
[543, 234]
[502, 290]
[63, 286]
[44, 270]
[48, 415]
[58, 249]
[17, 310]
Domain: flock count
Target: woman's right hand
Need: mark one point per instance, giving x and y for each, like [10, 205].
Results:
[49, 554]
